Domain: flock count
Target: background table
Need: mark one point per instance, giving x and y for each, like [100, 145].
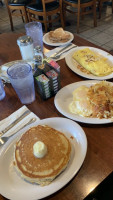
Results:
[99, 159]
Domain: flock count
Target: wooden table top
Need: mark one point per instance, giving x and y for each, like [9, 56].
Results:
[98, 162]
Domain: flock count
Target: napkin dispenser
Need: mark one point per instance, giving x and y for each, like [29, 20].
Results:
[47, 78]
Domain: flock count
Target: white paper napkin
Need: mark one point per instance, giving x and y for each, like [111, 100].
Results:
[51, 52]
[7, 121]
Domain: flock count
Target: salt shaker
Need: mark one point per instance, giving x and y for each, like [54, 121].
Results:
[25, 44]
[38, 51]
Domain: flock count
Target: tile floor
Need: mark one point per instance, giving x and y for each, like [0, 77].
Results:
[101, 35]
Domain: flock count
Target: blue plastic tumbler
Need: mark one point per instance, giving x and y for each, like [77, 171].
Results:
[21, 78]
[34, 30]
[2, 91]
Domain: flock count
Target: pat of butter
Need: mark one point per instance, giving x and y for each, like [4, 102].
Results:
[39, 149]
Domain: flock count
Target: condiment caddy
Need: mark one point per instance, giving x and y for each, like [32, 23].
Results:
[47, 78]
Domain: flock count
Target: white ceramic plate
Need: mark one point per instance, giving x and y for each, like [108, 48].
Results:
[4, 67]
[73, 65]
[47, 41]
[13, 187]
[64, 97]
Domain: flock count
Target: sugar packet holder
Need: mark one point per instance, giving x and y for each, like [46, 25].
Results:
[47, 78]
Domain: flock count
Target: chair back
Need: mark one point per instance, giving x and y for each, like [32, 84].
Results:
[44, 2]
[82, 8]
[13, 7]
[44, 13]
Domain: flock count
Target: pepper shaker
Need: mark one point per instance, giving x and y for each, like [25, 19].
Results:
[37, 61]
[25, 44]
[38, 51]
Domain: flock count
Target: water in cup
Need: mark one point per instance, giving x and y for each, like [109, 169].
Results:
[2, 91]
[22, 80]
[34, 30]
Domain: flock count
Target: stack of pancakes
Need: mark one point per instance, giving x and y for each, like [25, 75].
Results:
[42, 170]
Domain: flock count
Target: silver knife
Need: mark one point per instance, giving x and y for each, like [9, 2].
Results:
[27, 112]
[61, 50]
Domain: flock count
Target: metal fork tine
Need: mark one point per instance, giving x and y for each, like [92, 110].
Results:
[58, 56]
[61, 50]
[3, 140]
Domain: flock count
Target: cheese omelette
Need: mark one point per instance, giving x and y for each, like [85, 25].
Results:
[93, 62]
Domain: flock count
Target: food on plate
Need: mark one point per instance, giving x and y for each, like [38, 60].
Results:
[82, 69]
[94, 101]
[41, 154]
[59, 35]
[81, 104]
[95, 63]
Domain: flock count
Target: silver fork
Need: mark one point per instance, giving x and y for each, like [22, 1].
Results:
[58, 56]
[3, 140]
[61, 50]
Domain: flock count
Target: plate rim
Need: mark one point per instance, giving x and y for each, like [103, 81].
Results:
[60, 43]
[83, 74]
[79, 118]
[82, 147]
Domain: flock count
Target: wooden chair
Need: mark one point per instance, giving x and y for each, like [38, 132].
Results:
[82, 7]
[100, 5]
[17, 8]
[1, 2]
[44, 11]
